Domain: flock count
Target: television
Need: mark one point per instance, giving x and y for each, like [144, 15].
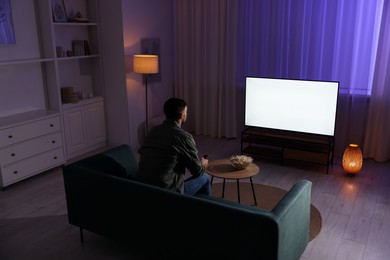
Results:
[306, 106]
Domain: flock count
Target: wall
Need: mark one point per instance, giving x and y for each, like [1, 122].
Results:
[113, 60]
[147, 19]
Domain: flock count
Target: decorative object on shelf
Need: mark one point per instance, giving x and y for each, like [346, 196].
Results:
[76, 18]
[7, 35]
[146, 65]
[69, 96]
[80, 19]
[240, 162]
[59, 13]
[78, 47]
[352, 159]
[86, 48]
[71, 16]
[60, 51]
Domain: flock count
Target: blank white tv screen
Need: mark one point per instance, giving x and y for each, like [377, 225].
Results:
[292, 105]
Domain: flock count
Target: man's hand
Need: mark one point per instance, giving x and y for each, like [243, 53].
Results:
[204, 161]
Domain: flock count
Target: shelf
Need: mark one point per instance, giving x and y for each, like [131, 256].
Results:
[286, 145]
[82, 102]
[263, 150]
[285, 135]
[75, 24]
[25, 61]
[78, 57]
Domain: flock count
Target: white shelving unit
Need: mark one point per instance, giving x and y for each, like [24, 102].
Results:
[31, 78]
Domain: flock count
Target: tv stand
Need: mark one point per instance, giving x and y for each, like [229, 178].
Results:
[286, 145]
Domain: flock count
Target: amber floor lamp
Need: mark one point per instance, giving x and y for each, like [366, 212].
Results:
[145, 64]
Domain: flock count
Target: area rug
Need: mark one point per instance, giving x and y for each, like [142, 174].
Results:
[267, 197]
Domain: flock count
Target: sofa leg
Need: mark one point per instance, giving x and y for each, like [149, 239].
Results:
[81, 235]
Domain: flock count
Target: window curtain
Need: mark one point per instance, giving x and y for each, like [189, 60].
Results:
[205, 60]
[216, 47]
[377, 138]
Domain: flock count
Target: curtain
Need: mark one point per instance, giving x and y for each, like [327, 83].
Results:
[216, 47]
[205, 58]
[377, 138]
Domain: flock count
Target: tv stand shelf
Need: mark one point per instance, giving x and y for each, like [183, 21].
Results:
[286, 145]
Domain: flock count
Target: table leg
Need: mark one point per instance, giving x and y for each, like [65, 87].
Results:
[253, 191]
[238, 191]
[223, 189]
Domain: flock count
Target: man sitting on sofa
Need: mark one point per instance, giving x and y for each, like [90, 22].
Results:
[169, 150]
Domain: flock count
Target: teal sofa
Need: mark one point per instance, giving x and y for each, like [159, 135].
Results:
[102, 198]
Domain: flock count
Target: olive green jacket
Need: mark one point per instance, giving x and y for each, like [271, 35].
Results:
[166, 154]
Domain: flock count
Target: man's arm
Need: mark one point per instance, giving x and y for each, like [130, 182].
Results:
[194, 165]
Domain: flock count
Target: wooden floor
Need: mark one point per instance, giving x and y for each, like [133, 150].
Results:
[355, 212]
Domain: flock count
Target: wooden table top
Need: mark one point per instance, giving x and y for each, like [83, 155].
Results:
[223, 168]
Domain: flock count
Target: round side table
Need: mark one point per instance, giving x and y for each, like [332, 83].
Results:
[224, 170]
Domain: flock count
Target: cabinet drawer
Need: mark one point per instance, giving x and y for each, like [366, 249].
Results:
[31, 166]
[24, 132]
[30, 148]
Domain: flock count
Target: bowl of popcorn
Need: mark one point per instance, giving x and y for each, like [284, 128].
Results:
[241, 161]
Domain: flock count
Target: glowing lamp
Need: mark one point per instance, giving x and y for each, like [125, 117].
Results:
[352, 159]
[145, 64]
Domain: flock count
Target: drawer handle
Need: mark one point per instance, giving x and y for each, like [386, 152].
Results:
[51, 125]
[10, 136]
[15, 172]
[53, 142]
[12, 154]
[55, 157]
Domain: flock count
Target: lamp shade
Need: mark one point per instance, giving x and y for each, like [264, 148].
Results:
[145, 64]
[352, 159]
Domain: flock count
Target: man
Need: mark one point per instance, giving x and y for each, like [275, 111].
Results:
[169, 150]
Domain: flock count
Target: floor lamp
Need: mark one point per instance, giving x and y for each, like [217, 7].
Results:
[145, 64]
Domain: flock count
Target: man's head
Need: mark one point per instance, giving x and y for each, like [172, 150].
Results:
[175, 109]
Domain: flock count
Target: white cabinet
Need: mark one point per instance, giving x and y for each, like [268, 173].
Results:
[74, 129]
[94, 123]
[84, 126]
[32, 73]
[30, 147]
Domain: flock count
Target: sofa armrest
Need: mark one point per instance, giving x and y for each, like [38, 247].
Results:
[292, 214]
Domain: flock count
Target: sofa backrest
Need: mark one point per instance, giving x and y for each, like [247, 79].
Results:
[119, 161]
[149, 216]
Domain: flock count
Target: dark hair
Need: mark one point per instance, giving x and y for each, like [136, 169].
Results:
[173, 108]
